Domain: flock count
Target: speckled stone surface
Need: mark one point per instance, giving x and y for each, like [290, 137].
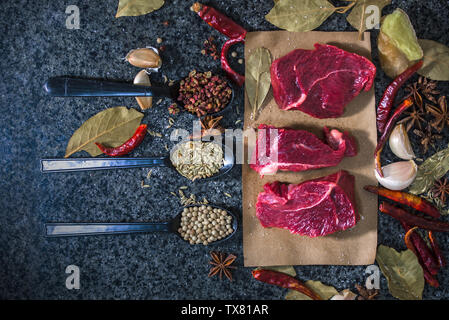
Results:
[36, 45]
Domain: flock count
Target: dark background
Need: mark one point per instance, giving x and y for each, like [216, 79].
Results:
[37, 45]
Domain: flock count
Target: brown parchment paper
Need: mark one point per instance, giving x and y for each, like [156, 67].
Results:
[274, 246]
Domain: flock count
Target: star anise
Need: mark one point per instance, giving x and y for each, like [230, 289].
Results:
[427, 89]
[413, 91]
[440, 189]
[221, 264]
[413, 117]
[428, 138]
[439, 113]
[366, 294]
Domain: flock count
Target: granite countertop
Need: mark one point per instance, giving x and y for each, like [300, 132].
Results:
[37, 45]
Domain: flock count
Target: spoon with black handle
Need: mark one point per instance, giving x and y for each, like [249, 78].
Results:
[84, 229]
[77, 87]
[88, 164]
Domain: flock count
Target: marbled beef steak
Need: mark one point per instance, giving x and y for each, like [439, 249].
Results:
[312, 208]
[299, 150]
[320, 82]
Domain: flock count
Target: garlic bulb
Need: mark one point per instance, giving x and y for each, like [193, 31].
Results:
[143, 79]
[400, 144]
[398, 175]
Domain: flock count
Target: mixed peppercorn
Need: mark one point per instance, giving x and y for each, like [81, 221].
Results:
[203, 93]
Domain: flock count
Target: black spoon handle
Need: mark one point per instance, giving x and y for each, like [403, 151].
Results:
[84, 164]
[73, 87]
[82, 229]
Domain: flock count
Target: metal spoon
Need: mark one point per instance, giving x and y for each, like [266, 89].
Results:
[76, 87]
[84, 229]
[86, 164]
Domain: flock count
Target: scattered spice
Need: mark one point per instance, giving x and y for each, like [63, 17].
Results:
[162, 48]
[210, 48]
[166, 23]
[209, 127]
[197, 159]
[126, 147]
[154, 133]
[428, 138]
[440, 114]
[143, 185]
[204, 224]
[203, 93]
[171, 122]
[440, 189]
[221, 264]
[366, 294]
[415, 117]
[227, 195]
[173, 109]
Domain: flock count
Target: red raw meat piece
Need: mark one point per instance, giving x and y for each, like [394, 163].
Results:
[320, 82]
[312, 208]
[299, 150]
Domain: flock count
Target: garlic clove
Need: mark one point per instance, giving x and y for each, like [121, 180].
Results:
[400, 144]
[398, 175]
[144, 58]
[143, 79]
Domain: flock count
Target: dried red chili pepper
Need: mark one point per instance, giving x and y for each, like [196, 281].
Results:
[385, 104]
[229, 28]
[388, 128]
[413, 220]
[436, 250]
[236, 77]
[128, 146]
[408, 199]
[430, 279]
[285, 281]
[425, 256]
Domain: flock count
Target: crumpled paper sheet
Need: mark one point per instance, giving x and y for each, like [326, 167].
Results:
[274, 246]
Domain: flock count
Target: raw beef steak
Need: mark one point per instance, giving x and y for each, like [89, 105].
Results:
[320, 82]
[312, 208]
[299, 150]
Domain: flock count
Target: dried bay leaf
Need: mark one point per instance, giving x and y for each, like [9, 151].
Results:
[258, 81]
[304, 15]
[436, 60]
[324, 291]
[404, 274]
[432, 169]
[111, 127]
[358, 16]
[137, 7]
